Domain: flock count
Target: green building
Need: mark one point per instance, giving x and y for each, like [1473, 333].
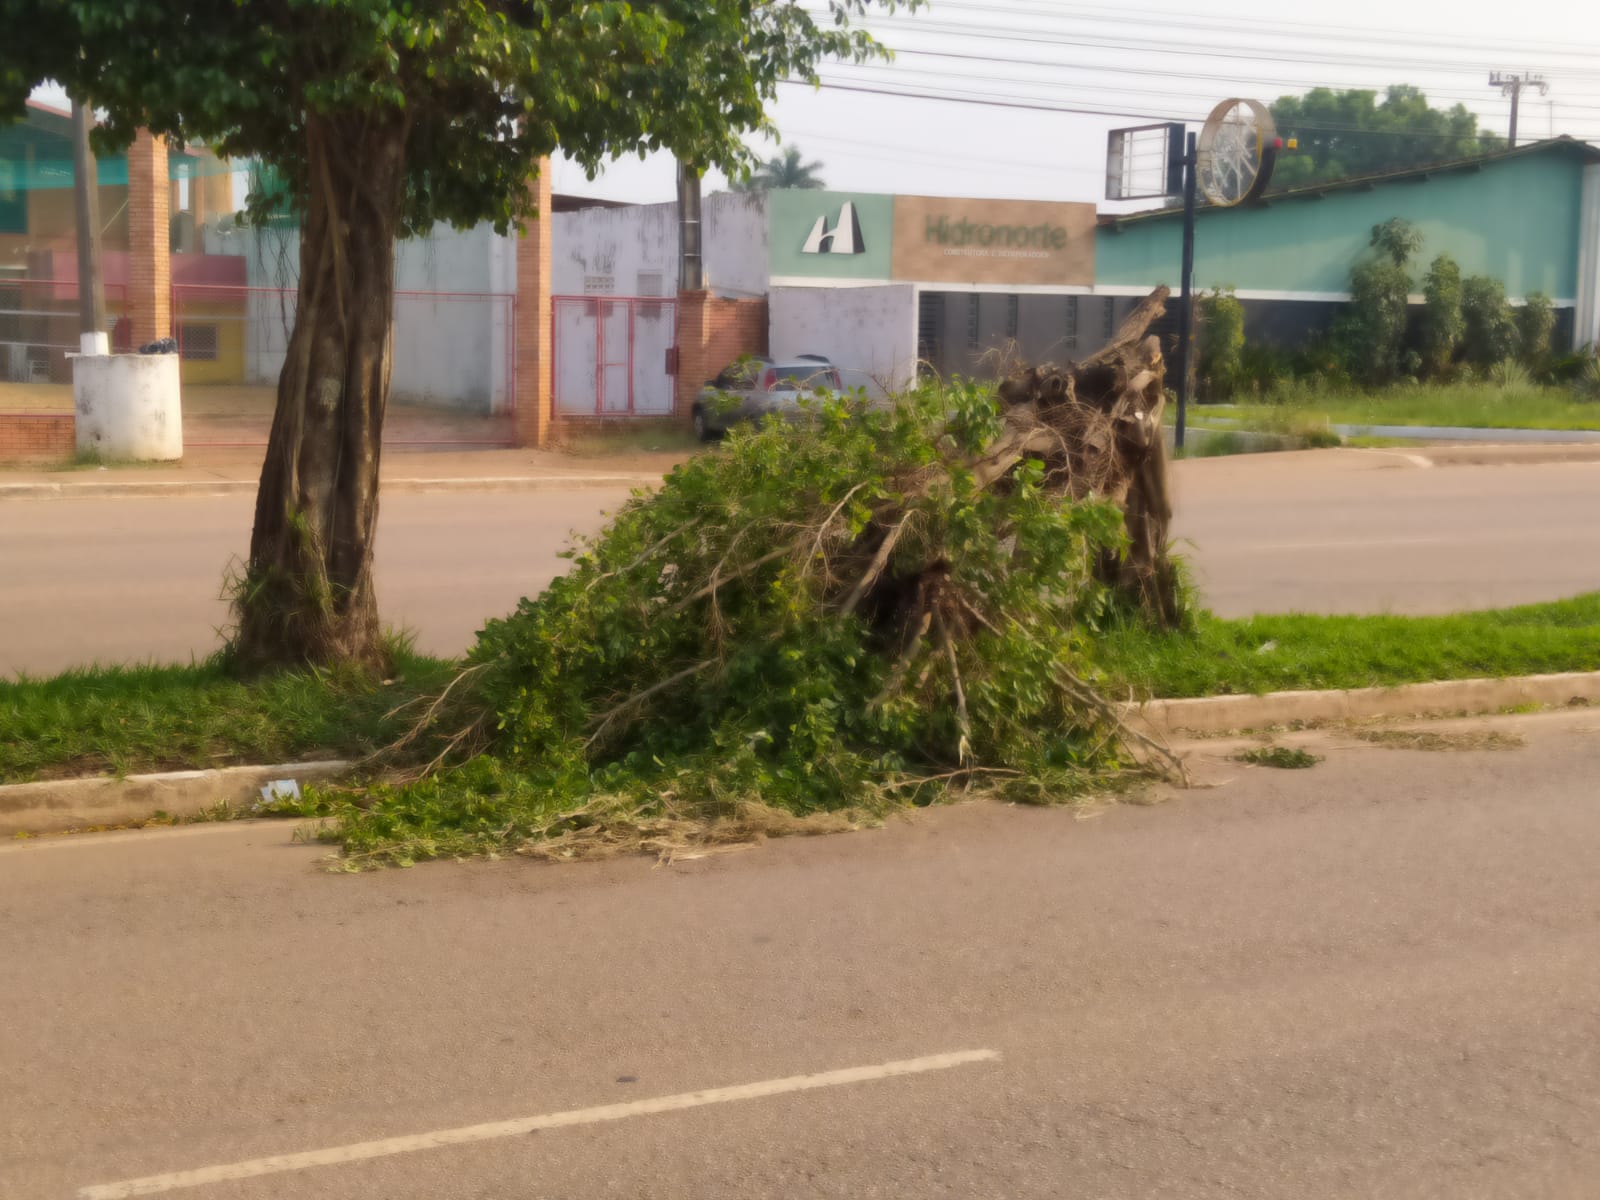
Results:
[1529, 217]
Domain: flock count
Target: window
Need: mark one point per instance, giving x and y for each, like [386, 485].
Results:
[599, 285]
[650, 283]
[972, 321]
[1071, 338]
[1111, 318]
[198, 343]
[13, 201]
[1013, 315]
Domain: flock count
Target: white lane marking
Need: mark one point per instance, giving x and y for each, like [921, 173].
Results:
[1416, 460]
[151, 1185]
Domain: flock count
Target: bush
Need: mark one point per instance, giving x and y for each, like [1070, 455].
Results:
[1441, 316]
[1536, 320]
[1265, 371]
[847, 613]
[1221, 344]
[1511, 376]
[1372, 330]
[1489, 330]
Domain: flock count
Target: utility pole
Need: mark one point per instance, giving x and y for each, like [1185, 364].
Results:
[85, 182]
[1511, 84]
[1191, 159]
[691, 267]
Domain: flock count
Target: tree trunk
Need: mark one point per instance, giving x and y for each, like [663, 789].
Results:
[307, 595]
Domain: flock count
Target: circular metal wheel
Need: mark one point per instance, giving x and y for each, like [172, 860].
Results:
[1234, 159]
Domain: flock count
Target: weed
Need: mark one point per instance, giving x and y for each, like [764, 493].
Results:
[1430, 739]
[1285, 758]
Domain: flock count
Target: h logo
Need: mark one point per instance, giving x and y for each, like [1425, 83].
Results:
[843, 238]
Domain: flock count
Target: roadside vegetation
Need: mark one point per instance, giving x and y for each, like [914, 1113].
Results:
[125, 720]
[1301, 652]
[1466, 356]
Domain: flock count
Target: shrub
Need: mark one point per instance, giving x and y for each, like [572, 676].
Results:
[1511, 376]
[1373, 327]
[1441, 316]
[1221, 338]
[1536, 320]
[1489, 331]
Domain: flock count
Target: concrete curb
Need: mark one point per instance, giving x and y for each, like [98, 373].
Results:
[1223, 714]
[247, 487]
[59, 804]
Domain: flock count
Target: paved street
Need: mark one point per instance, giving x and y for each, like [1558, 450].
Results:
[1336, 531]
[1375, 978]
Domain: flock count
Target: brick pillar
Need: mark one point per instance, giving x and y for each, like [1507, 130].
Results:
[149, 240]
[534, 388]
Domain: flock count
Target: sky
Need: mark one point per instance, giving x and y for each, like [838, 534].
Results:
[984, 91]
[1152, 61]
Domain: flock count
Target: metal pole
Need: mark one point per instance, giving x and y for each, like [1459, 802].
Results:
[85, 181]
[1516, 94]
[1185, 303]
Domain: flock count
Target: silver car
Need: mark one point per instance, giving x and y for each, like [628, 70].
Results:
[753, 386]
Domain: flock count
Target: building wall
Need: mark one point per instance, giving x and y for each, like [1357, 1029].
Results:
[448, 352]
[869, 333]
[1516, 220]
[31, 438]
[633, 251]
[224, 316]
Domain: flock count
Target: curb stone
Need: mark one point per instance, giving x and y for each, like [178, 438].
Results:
[1223, 714]
[55, 805]
[247, 487]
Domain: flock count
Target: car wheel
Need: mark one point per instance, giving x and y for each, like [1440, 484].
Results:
[702, 429]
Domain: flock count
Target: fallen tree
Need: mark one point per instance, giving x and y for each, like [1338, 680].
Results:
[871, 606]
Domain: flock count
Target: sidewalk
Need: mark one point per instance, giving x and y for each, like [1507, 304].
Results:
[220, 471]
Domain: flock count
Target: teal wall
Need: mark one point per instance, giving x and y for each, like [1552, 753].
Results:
[792, 213]
[1515, 220]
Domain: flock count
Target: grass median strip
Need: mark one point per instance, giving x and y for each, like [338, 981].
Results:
[1298, 652]
[126, 720]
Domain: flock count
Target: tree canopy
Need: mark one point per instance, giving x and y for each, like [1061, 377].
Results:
[786, 170]
[379, 118]
[482, 88]
[1350, 133]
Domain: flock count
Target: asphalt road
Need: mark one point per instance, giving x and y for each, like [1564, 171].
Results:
[113, 580]
[1376, 978]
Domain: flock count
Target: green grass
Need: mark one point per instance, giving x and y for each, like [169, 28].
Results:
[1470, 405]
[125, 720]
[1295, 652]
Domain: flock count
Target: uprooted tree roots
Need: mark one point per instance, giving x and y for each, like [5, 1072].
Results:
[874, 605]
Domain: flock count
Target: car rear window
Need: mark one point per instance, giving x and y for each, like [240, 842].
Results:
[809, 376]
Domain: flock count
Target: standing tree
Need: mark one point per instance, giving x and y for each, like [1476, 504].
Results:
[1349, 133]
[1441, 315]
[1371, 333]
[787, 170]
[380, 117]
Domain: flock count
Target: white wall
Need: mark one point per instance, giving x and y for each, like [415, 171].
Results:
[448, 352]
[870, 333]
[629, 251]
[1586, 321]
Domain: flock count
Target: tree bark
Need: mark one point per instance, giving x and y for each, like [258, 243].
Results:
[307, 595]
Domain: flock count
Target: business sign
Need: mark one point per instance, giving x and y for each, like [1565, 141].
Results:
[993, 241]
[837, 235]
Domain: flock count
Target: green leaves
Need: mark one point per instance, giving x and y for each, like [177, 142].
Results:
[486, 90]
